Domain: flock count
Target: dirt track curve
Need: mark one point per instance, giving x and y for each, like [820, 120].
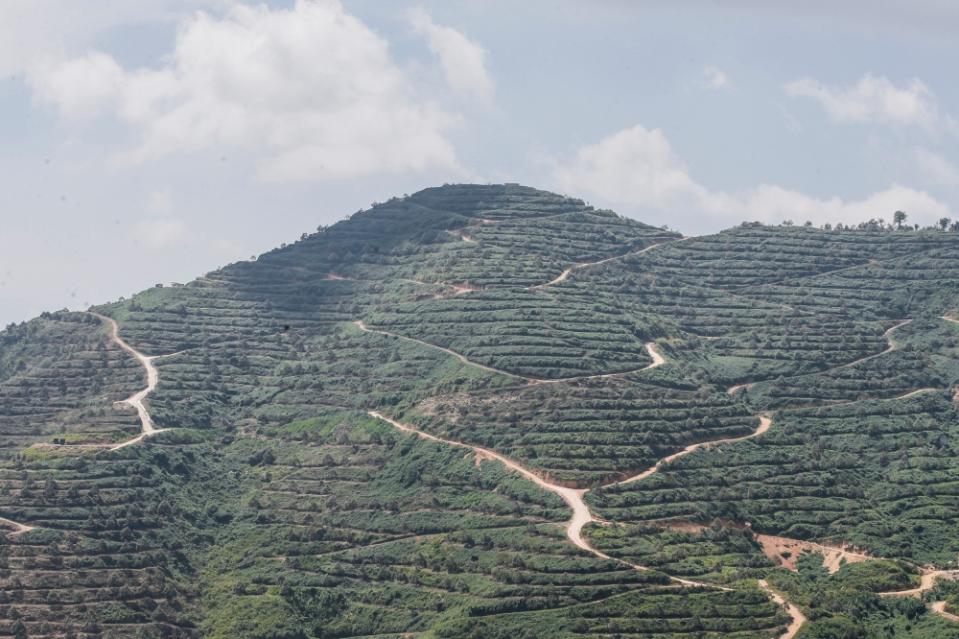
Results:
[798, 618]
[136, 400]
[651, 349]
[926, 583]
[572, 496]
[18, 528]
[575, 267]
[581, 515]
[765, 421]
[939, 607]
[892, 345]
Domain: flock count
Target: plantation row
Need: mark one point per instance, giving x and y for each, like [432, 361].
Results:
[535, 334]
[906, 286]
[587, 433]
[750, 256]
[364, 531]
[519, 321]
[880, 474]
[99, 560]
[59, 379]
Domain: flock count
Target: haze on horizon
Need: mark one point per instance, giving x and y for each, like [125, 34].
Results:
[153, 140]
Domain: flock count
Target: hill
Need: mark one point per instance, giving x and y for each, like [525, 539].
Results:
[493, 411]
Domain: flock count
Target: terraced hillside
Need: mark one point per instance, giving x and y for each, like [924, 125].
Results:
[492, 411]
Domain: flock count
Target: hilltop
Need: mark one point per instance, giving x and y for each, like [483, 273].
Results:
[493, 411]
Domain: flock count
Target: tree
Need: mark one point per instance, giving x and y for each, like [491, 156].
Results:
[944, 223]
[899, 217]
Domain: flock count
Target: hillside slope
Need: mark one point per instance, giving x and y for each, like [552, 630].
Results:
[493, 411]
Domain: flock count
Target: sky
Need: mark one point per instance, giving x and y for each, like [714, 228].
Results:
[148, 141]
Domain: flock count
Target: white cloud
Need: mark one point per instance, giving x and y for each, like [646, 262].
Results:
[873, 99]
[632, 165]
[463, 61]
[936, 168]
[772, 203]
[80, 87]
[311, 90]
[161, 233]
[716, 78]
[32, 29]
[638, 168]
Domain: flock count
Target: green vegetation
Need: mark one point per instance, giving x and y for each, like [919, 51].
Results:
[59, 377]
[591, 432]
[843, 604]
[275, 506]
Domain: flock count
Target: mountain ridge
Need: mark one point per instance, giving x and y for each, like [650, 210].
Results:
[580, 346]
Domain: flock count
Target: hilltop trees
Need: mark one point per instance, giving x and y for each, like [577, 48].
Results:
[899, 217]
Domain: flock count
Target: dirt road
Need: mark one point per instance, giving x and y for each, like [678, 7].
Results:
[572, 496]
[136, 400]
[461, 233]
[575, 267]
[939, 607]
[18, 528]
[765, 421]
[360, 324]
[581, 515]
[926, 582]
[798, 618]
[738, 387]
[651, 349]
[893, 345]
[657, 357]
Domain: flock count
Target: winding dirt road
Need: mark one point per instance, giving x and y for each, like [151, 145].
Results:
[926, 583]
[893, 345]
[765, 422]
[574, 498]
[651, 349]
[575, 267]
[798, 618]
[136, 400]
[939, 607]
[360, 324]
[581, 515]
